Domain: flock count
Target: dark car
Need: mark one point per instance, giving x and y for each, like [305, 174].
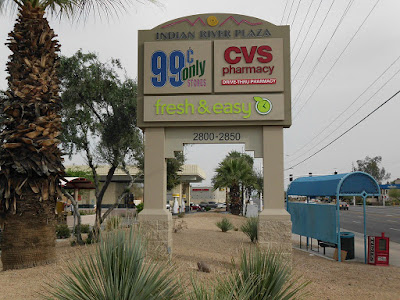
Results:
[210, 204]
[343, 205]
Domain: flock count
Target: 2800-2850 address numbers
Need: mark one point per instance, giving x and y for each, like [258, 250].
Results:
[220, 136]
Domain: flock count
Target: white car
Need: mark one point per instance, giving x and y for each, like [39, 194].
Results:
[221, 205]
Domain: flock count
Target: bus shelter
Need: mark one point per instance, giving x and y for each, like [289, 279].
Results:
[317, 224]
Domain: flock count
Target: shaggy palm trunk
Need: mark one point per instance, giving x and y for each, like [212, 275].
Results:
[30, 160]
[236, 206]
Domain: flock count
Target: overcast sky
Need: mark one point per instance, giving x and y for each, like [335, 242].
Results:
[354, 73]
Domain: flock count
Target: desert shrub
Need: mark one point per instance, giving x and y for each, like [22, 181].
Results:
[85, 228]
[224, 225]
[62, 231]
[207, 208]
[113, 222]
[181, 215]
[139, 207]
[117, 270]
[260, 275]
[250, 228]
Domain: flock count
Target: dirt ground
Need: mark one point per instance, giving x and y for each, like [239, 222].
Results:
[201, 240]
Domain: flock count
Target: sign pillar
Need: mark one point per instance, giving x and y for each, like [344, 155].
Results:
[275, 227]
[155, 219]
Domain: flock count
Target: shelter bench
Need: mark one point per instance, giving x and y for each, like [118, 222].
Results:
[326, 244]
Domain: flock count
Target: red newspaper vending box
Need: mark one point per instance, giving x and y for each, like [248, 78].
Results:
[378, 250]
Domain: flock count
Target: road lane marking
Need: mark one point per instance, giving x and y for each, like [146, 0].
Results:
[392, 221]
[356, 222]
[395, 229]
[389, 215]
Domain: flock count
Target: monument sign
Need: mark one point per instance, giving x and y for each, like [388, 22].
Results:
[215, 78]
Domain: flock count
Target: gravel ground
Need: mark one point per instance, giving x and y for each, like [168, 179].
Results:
[201, 240]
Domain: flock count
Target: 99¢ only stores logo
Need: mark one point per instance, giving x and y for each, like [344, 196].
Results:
[177, 68]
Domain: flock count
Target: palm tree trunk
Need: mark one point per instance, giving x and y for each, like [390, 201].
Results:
[30, 160]
[235, 200]
[29, 236]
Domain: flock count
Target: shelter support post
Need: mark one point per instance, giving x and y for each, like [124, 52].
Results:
[275, 227]
[365, 230]
[155, 220]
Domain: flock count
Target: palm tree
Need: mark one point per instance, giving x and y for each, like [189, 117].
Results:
[31, 163]
[233, 173]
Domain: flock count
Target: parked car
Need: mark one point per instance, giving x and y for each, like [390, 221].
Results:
[343, 205]
[211, 204]
[194, 206]
[221, 205]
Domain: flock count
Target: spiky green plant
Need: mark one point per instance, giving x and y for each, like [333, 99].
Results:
[113, 222]
[274, 278]
[224, 225]
[250, 228]
[260, 276]
[118, 270]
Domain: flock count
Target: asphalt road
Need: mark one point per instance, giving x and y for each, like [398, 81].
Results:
[379, 219]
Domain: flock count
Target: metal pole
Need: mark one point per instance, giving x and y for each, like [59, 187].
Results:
[308, 198]
[365, 232]
[338, 229]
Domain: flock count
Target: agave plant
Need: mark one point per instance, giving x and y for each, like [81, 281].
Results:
[118, 270]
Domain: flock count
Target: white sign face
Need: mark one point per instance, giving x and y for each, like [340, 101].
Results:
[177, 67]
[250, 136]
[372, 250]
[236, 107]
[249, 65]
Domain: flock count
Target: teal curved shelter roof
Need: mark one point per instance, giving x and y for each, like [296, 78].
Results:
[352, 184]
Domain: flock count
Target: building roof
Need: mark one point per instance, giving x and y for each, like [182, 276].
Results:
[77, 183]
[188, 173]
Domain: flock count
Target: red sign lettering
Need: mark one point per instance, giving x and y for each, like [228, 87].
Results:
[263, 51]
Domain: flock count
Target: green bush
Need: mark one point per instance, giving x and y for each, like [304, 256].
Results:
[113, 222]
[250, 228]
[85, 228]
[118, 270]
[207, 208]
[87, 212]
[139, 207]
[224, 225]
[62, 231]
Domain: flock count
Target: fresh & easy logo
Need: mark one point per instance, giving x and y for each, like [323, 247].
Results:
[263, 105]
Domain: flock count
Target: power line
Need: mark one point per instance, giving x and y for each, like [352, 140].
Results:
[323, 52]
[351, 104]
[290, 12]
[287, 1]
[363, 119]
[340, 125]
[295, 15]
[312, 43]
[302, 25]
[345, 48]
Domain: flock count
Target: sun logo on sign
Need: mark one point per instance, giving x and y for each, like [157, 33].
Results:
[212, 21]
[263, 105]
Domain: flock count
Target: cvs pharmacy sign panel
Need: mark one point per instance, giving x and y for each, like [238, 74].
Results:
[251, 65]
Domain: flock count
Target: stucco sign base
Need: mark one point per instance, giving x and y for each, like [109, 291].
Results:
[275, 232]
[156, 226]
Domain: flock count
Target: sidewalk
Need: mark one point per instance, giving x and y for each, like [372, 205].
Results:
[394, 248]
